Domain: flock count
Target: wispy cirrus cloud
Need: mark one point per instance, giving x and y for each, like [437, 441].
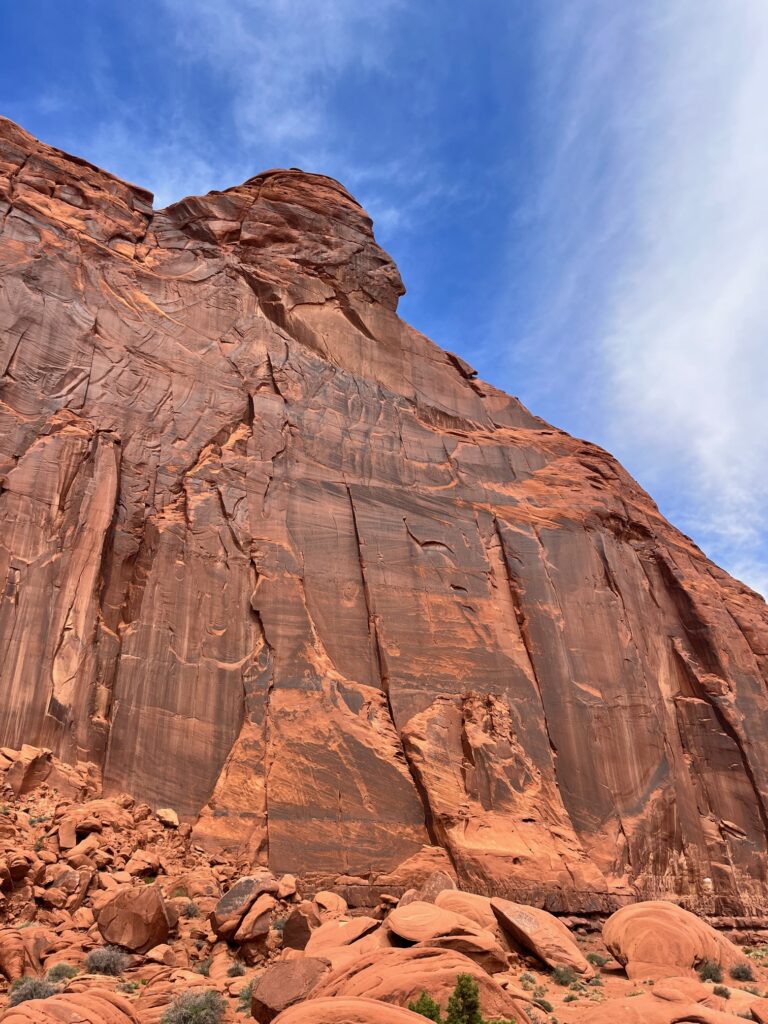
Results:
[651, 226]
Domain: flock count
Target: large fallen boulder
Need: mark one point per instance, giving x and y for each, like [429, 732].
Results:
[283, 984]
[229, 912]
[541, 934]
[656, 939]
[468, 904]
[400, 976]
[96, 1006]
[420, 921]
[135, 918]
[347, 1011]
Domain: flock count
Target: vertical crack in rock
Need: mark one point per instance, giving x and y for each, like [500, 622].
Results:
[373, 631]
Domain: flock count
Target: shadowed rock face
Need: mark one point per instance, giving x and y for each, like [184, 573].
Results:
[272, 558]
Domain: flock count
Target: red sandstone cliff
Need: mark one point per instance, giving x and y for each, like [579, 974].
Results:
[271, 557]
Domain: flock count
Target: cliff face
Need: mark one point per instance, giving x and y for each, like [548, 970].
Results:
[271, 557]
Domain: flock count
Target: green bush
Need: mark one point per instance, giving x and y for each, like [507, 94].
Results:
[128, 986]
[463, 1005]
[190, 909]
[721, 990]
[204, 966]
[427, 1007]
[109, 960]
[709, 970]
[30, 988]
[60, 972]
[564, 976]
[597, 960]
[244, 998]
[195, 1008]
[742, 972]
[236, 970]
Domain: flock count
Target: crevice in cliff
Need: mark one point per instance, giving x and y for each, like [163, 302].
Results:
[522, 624]
[700, 692]
[373, 633]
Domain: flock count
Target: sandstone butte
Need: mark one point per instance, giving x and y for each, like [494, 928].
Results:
[273, 560]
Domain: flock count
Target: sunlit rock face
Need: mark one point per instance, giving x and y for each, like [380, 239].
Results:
[272, 558]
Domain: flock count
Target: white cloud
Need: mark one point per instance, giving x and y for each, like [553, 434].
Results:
[282, 58]
[658, 215]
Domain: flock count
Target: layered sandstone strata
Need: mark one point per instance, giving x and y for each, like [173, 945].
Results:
[273, 559]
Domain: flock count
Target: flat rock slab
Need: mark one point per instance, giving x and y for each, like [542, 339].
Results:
[340, 932]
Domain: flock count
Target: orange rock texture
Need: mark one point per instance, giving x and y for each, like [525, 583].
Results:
[274, 561]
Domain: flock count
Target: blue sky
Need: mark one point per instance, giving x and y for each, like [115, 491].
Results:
[575, 192]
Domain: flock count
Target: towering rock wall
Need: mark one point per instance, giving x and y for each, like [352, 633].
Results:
[271, 557]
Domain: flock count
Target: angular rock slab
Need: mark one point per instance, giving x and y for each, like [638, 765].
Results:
[541, 934]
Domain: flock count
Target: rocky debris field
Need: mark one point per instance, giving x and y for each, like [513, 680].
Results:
[111, 914]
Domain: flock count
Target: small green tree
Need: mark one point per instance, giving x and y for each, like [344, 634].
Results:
[427, 1007]
[464, 1004]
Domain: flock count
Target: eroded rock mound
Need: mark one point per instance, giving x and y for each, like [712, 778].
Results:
[97, 1006]
[659, 940]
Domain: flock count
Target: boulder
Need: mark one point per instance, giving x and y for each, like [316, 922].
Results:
[401, 975]
[656, 939]
[339, 932]
[135, 917]
[255, 924]
[299, 925]
[283, 984]
[237, 901]
[420, 922]
[12, 955]
[467, 904]
[167, 817]
[329, 905]
[347, 1011]
[541, 934]
[95, 1006]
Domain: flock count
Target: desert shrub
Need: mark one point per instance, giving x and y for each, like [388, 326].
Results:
[195, 1008]
[709, 970]
[190, 910]
[742, 972]
[722, 991]
[128, 986]
[109, 960]
[204, 966]
[427, 1007]
[30, 988]
[545, 1005]
[570, 998]
[564, 976]
[597, 960]
[463, 1005]
[60, 972]
[244, 998]
[236, 970]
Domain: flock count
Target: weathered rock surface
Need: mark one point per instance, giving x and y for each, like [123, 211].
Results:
[272, 559]
[677, 1001]
[541, 934]
[96, 1006]
[284, 984]
[347, 1011]
[659, 940]
[400, 975]
[135, 918]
